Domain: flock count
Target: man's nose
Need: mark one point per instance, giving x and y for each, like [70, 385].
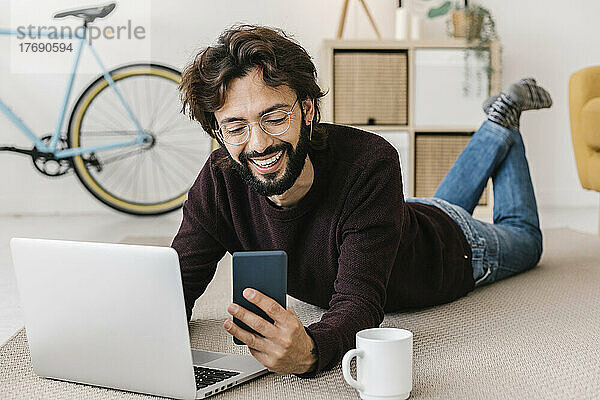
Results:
[259, 140]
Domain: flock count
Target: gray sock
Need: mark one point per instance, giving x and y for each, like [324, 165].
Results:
[505, 108]
[490, 100]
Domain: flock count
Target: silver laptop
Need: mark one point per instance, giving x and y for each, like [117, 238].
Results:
[113, 315]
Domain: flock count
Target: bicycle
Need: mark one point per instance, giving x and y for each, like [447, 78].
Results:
[127, 141]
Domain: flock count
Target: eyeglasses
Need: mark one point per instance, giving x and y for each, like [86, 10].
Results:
[274, 123]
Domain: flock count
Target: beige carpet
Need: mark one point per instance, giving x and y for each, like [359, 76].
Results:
[532, 336]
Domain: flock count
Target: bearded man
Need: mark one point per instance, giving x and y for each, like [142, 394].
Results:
[331, 197]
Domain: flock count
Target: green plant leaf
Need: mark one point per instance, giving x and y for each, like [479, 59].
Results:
[439, 11]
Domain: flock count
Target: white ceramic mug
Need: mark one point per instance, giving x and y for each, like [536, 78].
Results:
[383, 364]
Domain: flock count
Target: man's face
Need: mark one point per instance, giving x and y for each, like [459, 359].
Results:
[269, 164]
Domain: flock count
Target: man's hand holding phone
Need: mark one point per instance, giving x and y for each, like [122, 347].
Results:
[285, 347]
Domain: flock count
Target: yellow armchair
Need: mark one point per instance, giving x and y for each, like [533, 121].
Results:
[584, 105]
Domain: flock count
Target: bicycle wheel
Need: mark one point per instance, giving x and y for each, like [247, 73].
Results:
[145, 179]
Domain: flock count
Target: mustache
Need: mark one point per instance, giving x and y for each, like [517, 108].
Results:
[269, 150]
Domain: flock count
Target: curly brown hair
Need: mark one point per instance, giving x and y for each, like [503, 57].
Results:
[239, 50]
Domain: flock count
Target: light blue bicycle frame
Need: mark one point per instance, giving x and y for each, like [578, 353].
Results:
[39, 144]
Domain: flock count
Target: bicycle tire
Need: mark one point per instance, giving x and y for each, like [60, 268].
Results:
[90, 176]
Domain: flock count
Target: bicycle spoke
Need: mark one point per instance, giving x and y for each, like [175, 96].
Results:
[182, 131]
[143, 177]
[186, 167]
[181, 157]
[172, 123]
[108, 122]
[106, 176]
[109, 133]
[130, 171]
[166, 102]
[120, 157]
[149, 96]
[94, 123]
[138, 167]
[123, 88]
[189, 163]
[174, 139]
[145, 190]
[134, 103]
[156, 185]
[183, 149]
[176, 115]
[111, 101]
[162, 168]
[176, 171]
[121, 181]
[155, 114]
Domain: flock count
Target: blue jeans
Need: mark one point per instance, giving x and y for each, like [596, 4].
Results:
[513, 243]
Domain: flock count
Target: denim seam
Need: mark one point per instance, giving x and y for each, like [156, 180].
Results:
[493, 256]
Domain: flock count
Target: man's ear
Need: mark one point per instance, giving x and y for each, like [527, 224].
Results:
[308, 105]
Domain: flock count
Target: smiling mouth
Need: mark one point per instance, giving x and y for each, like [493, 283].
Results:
[270, 164]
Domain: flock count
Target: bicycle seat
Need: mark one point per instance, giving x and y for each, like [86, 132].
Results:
[89, 14]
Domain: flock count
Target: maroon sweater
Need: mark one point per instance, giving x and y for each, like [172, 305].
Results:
[354, 246]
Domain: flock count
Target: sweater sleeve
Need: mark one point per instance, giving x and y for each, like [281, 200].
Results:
[196, 244]
[370, 230]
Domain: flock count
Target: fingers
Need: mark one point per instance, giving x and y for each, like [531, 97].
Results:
[290, 309]
[267, 304]
[253, 341]
[252, 320]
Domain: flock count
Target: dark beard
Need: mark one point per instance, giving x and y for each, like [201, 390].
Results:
[272, 186]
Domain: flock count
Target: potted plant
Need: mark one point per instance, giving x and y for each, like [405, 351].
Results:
[473, 23]
[469, 21]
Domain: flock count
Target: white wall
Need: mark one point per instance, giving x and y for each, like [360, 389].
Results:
[549, 43]
[550, 40]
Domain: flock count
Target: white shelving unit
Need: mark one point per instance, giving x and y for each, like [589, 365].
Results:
[431, 102]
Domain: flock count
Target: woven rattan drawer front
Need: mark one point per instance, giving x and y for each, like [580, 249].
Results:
[434, 156]
[370, 87]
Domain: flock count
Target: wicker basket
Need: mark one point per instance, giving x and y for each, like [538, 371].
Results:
[434, 156]
[466, 24]
[370, 87]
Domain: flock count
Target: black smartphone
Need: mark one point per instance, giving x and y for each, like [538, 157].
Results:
[265, 271]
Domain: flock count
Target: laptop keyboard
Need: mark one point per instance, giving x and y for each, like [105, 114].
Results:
[208, 376]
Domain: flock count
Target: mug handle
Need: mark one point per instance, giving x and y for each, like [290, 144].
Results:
[346, 368]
